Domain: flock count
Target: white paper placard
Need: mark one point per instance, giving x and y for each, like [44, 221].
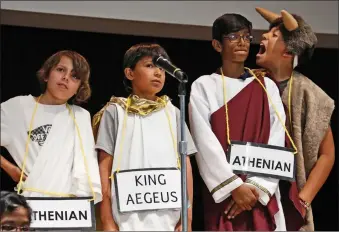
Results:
[62, 213]
[262, 160]
[148, 189]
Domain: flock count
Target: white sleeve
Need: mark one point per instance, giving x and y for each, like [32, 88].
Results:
[211, 159]
[267, 186]
[6, 121]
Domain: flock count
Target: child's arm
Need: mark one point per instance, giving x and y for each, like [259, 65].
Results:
[190, 197]
[105, 143]
[105, 167]
[321, 169]
[12, 170]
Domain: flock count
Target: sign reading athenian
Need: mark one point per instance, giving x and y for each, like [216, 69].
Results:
[262, 160]
[62, 213]
[148, 189]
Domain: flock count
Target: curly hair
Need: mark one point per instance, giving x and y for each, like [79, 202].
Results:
[81, 69]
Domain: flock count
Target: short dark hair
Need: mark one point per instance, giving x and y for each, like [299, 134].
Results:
[10, 201]
[81, 68]
[229, 23]
[136, 53]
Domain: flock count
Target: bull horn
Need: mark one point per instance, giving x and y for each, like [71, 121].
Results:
[290, 22]
[266, 14]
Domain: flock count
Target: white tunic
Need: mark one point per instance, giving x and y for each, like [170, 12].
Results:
[147, 144]
[206, 98]
[54, 162]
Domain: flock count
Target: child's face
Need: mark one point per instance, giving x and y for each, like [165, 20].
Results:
[147, 79]
[236, 46]
[62, 83]
[272, 49]
[17, 220]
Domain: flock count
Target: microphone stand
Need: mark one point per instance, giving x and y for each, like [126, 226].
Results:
[183, 79]
[183, 154]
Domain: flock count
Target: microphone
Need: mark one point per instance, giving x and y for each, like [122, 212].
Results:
[166, 65]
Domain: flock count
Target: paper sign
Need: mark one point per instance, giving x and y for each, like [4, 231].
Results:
[262, 160]
[148, 189]
[62, 213]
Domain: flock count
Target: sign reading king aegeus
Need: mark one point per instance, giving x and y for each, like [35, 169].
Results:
[148, 189]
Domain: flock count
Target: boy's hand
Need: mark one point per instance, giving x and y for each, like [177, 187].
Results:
[15, 174]
[110, 226]
[245, 197]
[178, 227]
[233, 210]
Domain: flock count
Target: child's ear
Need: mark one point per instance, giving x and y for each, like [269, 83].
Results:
[129, 73]
[216, 45]
[286, 54]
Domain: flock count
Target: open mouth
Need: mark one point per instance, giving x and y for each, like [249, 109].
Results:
[262, 49]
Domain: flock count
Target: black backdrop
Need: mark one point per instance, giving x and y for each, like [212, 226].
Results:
[24, 49]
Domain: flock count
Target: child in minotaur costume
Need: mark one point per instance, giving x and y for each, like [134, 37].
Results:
[140, 132]
[289, 42]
